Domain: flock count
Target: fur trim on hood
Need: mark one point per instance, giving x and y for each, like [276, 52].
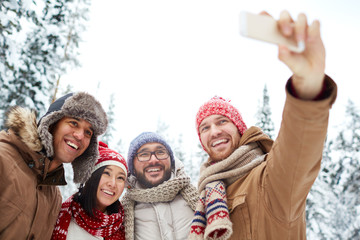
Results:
[23, 122]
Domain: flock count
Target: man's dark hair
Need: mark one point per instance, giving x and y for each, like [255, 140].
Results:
[86, 196]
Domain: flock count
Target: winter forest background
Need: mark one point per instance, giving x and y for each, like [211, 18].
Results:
[40, 43]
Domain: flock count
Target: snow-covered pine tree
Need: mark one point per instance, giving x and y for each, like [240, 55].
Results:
[190, 164]
[108, 135]
[347, 177]
[120, 148]
[322, 204]
[263, 115]
[176, 146]
[10, 15]
[200, 157]
[179, 148]
[196, 158]
[200, 153]
[333, 206]
[70, 188]
[38, 44]
[162, 130]
[192, 167]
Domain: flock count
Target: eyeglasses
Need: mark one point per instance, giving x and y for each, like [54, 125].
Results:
[146, 155]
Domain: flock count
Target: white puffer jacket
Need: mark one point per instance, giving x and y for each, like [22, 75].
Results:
[161, 220]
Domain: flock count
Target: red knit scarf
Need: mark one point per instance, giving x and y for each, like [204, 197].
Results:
[107, 226]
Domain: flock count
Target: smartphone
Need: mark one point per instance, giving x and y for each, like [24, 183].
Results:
[264, 28]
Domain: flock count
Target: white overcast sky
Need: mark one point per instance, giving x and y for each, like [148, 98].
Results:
[163, 58]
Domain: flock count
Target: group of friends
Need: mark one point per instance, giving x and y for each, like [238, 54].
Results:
[250, 187]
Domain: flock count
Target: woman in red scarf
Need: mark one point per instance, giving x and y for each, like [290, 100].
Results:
[94, 212]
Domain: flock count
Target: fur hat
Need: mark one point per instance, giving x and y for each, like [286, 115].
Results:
[110, 157]
[78, 105]
[219, 106]
[143, 138]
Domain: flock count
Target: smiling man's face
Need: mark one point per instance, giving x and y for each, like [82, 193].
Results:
[71, 137]
[219, 136]
[154, 171]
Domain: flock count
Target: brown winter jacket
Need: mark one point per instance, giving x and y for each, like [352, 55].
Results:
[29, 200]
[269, 202]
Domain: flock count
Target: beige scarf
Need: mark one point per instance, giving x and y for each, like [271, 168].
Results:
[212, 220]
[164, 192]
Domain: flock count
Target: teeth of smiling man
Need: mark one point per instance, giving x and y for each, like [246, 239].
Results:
[108, 192]
[218, 142]
[153, 170]
[72, 145]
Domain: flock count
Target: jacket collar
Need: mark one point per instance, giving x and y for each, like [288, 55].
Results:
[255, 134]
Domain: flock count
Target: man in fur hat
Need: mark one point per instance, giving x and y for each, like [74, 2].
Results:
[160, 200]
[252, 187]
[31, 158]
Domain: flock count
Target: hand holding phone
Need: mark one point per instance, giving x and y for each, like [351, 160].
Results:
[264, 28]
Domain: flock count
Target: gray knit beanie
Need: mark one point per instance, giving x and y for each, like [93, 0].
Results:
[143, 138]
[78, 105]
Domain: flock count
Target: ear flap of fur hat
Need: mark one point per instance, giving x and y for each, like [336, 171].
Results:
[79, 105]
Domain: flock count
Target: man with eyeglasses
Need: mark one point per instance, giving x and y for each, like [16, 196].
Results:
[160, 200]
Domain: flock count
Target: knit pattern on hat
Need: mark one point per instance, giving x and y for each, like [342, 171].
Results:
[165, 192]
[108, 157]
[79, 105]
[220, 106]
[143, 138]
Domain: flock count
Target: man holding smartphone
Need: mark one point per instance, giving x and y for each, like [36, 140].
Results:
[252, 187]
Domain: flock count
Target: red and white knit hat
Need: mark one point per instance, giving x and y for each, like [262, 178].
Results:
[110, 157]
[220, 106]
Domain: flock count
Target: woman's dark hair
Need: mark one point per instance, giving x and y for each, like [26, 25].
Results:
[86, 196]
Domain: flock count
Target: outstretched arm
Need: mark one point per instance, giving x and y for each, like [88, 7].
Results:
[295, 158]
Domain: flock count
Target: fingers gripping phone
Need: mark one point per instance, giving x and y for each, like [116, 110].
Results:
[264, 28]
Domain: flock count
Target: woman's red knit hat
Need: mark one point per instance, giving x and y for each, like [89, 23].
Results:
[110, 157]
[220, 106]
